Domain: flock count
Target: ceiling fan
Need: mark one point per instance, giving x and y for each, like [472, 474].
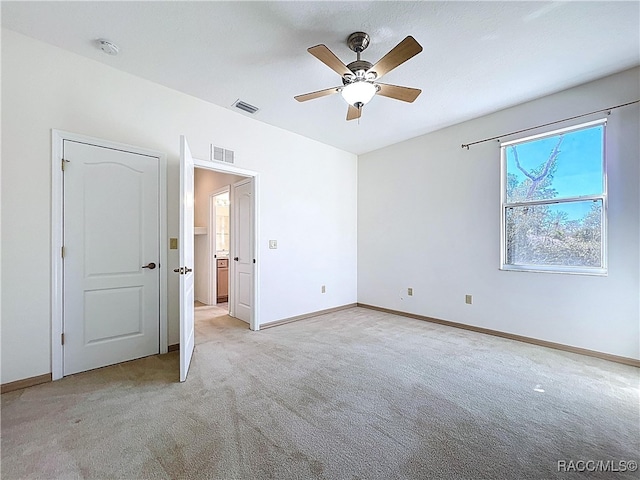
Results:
[359, 78]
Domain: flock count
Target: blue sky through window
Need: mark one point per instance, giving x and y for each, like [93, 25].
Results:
[579, 164]
[574, 210]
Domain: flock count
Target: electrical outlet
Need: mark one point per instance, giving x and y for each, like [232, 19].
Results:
[468, 299]
[273, 244]
[173, 243]
[324, 289]
[410, 291]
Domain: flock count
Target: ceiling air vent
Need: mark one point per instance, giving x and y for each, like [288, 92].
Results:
[220, 154]
[245, 107]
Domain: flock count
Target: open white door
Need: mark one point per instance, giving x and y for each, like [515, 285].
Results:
[243, 250]
[186, 259]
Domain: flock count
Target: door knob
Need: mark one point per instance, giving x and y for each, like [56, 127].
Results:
[235, 259]
[150, 266]
[183, 270]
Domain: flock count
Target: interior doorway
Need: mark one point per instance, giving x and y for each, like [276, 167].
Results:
[219, 245]
[212, 236]
[217, 294]
[186, 255]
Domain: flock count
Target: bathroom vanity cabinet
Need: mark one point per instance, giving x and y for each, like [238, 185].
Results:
[222, 280]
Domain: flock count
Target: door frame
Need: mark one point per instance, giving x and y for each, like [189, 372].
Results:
[212, 250]
[57, 231]
[254, 177]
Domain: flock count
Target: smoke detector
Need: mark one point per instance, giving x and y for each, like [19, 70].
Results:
[108, 47]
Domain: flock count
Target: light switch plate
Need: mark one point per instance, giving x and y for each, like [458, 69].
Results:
[273, 244]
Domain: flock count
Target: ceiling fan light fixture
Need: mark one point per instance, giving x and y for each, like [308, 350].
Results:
[358, 93]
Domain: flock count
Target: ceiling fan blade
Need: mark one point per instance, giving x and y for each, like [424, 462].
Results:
[326, 56]
[318, 94]
[353, 112]
[399, 54]
[406, 94]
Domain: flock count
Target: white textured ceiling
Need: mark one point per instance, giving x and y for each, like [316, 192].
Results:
[478, 57]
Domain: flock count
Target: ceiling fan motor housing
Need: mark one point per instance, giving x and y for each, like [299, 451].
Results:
[358, 42]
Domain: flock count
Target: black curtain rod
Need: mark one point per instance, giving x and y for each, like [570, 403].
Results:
[608, 110]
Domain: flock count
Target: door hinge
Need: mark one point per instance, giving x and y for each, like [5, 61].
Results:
[62, 252]
[62, 339]
[63, 161]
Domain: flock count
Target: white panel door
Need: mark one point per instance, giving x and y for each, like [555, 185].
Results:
[187, 330]
[111, 233]
[243, 249]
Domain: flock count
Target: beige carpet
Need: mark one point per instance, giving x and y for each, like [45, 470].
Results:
[357, 394]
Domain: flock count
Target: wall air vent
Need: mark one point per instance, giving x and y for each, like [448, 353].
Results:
[245, 107]
[220, 154]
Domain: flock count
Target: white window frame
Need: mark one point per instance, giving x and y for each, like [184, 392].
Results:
[580, 270]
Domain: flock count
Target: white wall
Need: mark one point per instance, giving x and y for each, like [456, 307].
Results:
[205, 183]
[429, 218]
[308, 195]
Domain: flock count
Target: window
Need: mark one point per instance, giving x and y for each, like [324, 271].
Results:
[554, 201]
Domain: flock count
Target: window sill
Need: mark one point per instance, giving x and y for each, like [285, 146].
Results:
[592, 272]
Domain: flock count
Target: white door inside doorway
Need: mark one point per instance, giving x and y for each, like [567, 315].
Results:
[243, 251]
[111, 266]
